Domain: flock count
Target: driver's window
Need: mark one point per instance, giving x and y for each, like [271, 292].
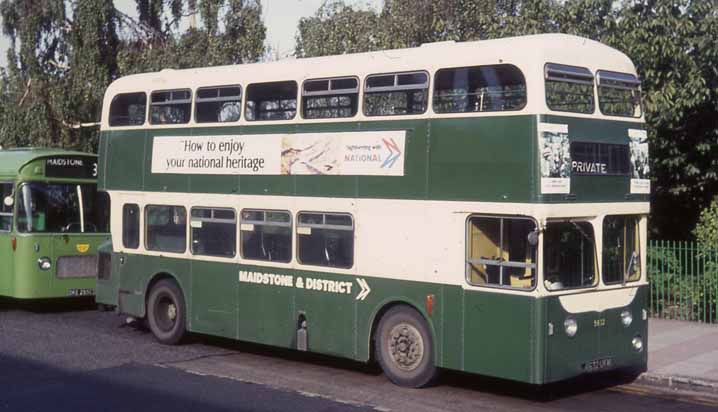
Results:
[325, 239]
[7, 199]
[500, 252]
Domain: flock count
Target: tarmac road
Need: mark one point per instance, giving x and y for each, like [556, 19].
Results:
[75, 358]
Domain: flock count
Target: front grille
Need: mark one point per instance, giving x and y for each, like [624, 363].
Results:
[104, 266]
[76, 267]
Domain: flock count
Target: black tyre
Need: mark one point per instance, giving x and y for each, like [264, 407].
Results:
[166, 312]
[404, 348]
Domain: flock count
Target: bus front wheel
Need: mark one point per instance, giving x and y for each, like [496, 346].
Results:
[166, 313]
[404, 348]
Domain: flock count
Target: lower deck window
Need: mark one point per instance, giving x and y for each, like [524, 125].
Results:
[6, 207]
[326, 239]
[266, 235]
[131, 226]
[499, 252]
[621, 257]
[569, 255]
[166, 228]
[213, 232]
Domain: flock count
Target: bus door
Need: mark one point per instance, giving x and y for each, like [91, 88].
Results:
[6, 236]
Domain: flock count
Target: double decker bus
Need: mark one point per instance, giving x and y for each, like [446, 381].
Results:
[477, 206]
[52, 219]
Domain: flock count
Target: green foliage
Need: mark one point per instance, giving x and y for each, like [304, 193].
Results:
[64, 53]
[671, 42]
[684, 282]
[706, 230]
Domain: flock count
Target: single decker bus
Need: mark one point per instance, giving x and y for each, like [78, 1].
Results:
[478, 206]
[52, 219]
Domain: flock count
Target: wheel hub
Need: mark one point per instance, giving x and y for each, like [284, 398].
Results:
[406, 346]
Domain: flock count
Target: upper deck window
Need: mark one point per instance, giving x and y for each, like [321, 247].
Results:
[171, 107]
[569, 88]
[619, 94]
[128, 109]
[219, 104]
[396, 94]
[271, 101]
[330, 98]
[479, 89]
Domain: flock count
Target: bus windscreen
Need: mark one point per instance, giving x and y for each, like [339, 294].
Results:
[62, 208]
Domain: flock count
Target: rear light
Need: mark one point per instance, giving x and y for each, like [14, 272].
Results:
[14, 243]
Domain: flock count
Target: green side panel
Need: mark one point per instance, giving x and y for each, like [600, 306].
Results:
[138, 271]
[7, 265]
[452, 322]
[498, 330]
[108, 289]
[267, 313]
[123, 164]
[331, 317]
[482, 159]
[600, 335]
[214, 298]
[596, 188]
[162, 182]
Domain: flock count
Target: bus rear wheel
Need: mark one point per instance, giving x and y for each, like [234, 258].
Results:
[404, 348]
[166, 313]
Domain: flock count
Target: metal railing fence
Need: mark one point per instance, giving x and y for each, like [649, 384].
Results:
[683, 281]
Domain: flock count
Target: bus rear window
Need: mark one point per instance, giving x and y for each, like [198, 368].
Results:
[218, 104]
[619, 94]
[330, 98]
[6, 207]
[569, 88]
[326, 239]
[128, 109]
[396, 94]
[131, 226]
[271, 101]
[171, 107]
[479, 89]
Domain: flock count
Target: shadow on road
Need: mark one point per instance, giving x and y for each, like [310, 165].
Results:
[28, 385]
[57, 305]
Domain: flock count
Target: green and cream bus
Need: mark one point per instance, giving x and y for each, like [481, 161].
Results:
[474, 206]
[52, 219]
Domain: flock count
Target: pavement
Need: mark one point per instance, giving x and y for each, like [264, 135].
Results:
[682, 356]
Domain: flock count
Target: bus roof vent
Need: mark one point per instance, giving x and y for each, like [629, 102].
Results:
[438, 43]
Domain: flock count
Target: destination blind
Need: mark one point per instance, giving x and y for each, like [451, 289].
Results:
[71, 167]
[596, 159]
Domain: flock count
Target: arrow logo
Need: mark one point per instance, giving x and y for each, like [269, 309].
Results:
[365, 289]
[394, 153]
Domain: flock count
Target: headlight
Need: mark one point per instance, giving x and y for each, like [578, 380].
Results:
[644, 313]
[626, 318]
[571, 327]
[637, 343]
[44, 263]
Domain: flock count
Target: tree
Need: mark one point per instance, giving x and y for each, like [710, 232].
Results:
[672, 43]
[64, 53]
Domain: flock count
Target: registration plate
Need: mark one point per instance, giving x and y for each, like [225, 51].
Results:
[81, 292]
[598, 364]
